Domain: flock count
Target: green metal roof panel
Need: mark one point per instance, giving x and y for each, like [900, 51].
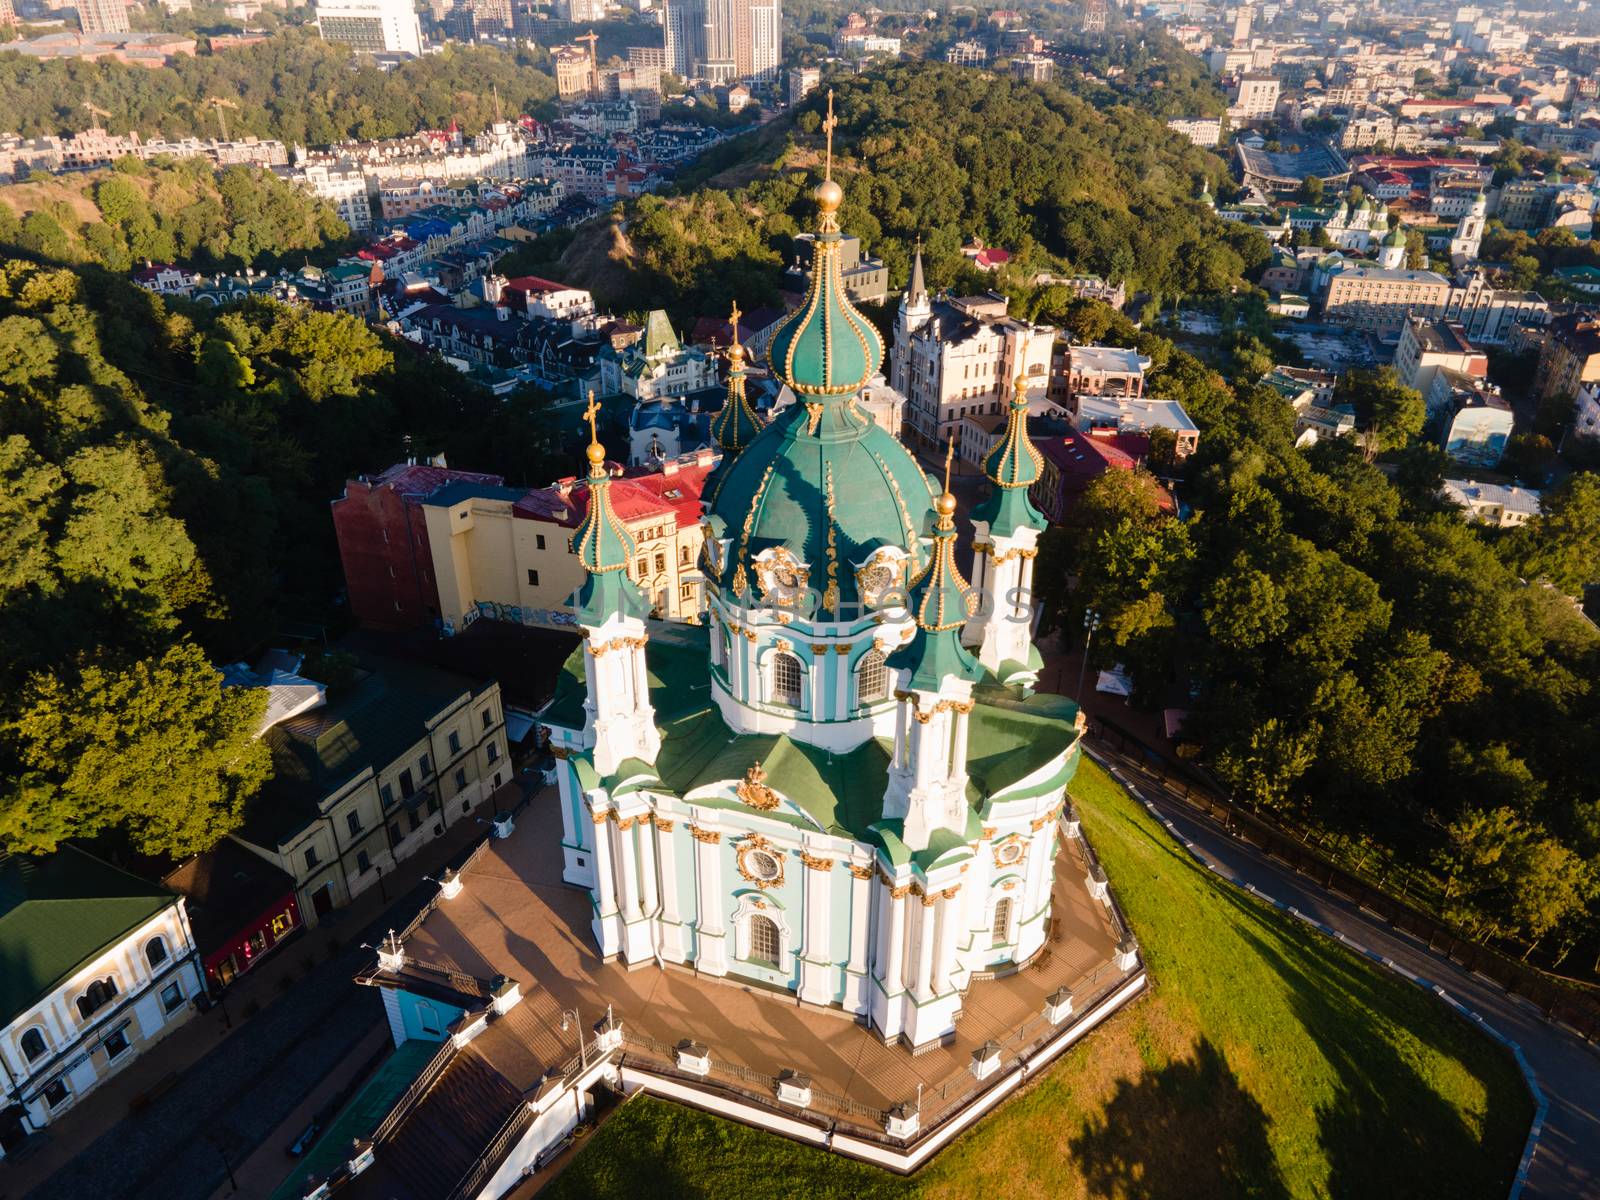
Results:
[57, 913]
[359, 1118]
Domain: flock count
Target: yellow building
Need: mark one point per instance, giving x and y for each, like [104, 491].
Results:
[496, 548]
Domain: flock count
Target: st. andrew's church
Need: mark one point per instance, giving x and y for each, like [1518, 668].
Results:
[842, 784]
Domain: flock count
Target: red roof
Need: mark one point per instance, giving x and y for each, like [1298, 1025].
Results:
[423, 479]
[533, 284]
[635, 498]
[1082, 458]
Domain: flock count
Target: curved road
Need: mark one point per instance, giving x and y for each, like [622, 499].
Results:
[1566, 1162]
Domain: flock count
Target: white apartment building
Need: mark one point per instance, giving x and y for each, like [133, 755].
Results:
[1255, 98]
[345, 186]
[766, 38]
[100, 966]
[371, 26]
[956, 359]
[1202, 131]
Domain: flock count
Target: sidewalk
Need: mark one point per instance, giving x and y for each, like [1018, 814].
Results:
[135, 1123]
[259, 1175]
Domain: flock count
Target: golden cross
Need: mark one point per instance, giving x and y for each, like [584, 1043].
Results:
[733, 322]
[589, 414]
[829, 124]
[949, 453]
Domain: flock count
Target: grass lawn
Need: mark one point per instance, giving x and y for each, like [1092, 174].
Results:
[1266, 1061]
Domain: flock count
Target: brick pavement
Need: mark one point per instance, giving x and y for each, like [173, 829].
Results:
[234, 1087]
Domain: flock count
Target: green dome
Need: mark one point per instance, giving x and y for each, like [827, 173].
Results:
[1395, 237]
[603, 545]
[737, 425]
[829, 486]
[940, 605]
[1012, 467]
[825, 347]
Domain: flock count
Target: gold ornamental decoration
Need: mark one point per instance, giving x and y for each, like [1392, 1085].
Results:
[815, 862]
[861, 872]
[665, 825]
[1010, 850]
[753, 789]
[759, 862]
[901, 892]
[709, 836]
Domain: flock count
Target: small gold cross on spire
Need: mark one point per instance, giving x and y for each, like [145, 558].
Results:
[733, 322]
[949, 453]
[829, 124]
[589, 414]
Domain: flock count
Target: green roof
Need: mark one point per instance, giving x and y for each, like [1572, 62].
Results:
[57, 913]
[736, 425]
[939, 603]
[658, 335]
[1012, 467]
[369, 723]
[1010, 737]
[360, 1118]
[829, 486]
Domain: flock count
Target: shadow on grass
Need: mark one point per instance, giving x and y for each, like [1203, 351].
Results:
[1388, 1129]
[1189, 1129]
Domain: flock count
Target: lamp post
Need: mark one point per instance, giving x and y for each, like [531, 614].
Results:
[572, 1015]
[1091, 622]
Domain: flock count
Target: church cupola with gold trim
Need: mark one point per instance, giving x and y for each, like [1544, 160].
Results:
[736, 426]
[1006, 528]
[610, 610]
[927, 786]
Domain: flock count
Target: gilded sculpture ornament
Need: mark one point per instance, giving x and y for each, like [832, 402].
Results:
[709, 836]
[665, 825]
[950, 893]
[624, 824]
[815, 862]
[901, 892]
[859, 872]
[753, 789]
[746, 861]
[1010, 850]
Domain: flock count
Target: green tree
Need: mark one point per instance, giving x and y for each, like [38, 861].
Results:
[158, 747]
[1388, 414]
[1562, 543]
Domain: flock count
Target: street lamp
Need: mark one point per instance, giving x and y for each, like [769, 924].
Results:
[1091, 622]
[569, 1020]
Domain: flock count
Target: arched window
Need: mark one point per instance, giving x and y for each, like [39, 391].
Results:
[155, 952]
[1001, 931]
[763, 940]
[33, 1047]
[872, 678]
[727, 652]
[786, 680]
[98, 994]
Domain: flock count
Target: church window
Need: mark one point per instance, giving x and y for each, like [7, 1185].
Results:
[155, 952]
[763, 940]
[1001, 931]
[33, 1046]
[96, 997]
[762, 865]
[786, 680]
[872, 678]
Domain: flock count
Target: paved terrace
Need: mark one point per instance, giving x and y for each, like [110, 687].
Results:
[515, 917]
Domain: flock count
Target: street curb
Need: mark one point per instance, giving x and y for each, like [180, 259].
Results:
[1541, 1104]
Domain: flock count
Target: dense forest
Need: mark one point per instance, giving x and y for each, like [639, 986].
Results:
[165, 474]
[946, 154]
[1420, 693]
[293, 87]
[184, 211]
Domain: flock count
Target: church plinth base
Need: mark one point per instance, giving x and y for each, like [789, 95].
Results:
[816, 983]
[608, 934]
[712, 958]
[928, 1022]
[637, 945]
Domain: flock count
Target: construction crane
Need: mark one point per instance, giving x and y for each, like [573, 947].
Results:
[594, 70]
[92, 109]
[219, 103]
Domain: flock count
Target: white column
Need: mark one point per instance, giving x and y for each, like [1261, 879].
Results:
[816, 969]
[819, 686]
[606, 932]
[894, 956]
[922, 971]
[841, 681]
[641, 678]
[945, 954]
[860, 915]
[959, 756]
[647, 866]
[712, 956]
[667, 866]
[628, 869]
[900, 733]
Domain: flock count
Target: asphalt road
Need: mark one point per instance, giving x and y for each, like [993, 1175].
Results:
[1566, 1163]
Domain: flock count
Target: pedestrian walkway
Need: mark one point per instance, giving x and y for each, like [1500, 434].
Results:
[283, 1026]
